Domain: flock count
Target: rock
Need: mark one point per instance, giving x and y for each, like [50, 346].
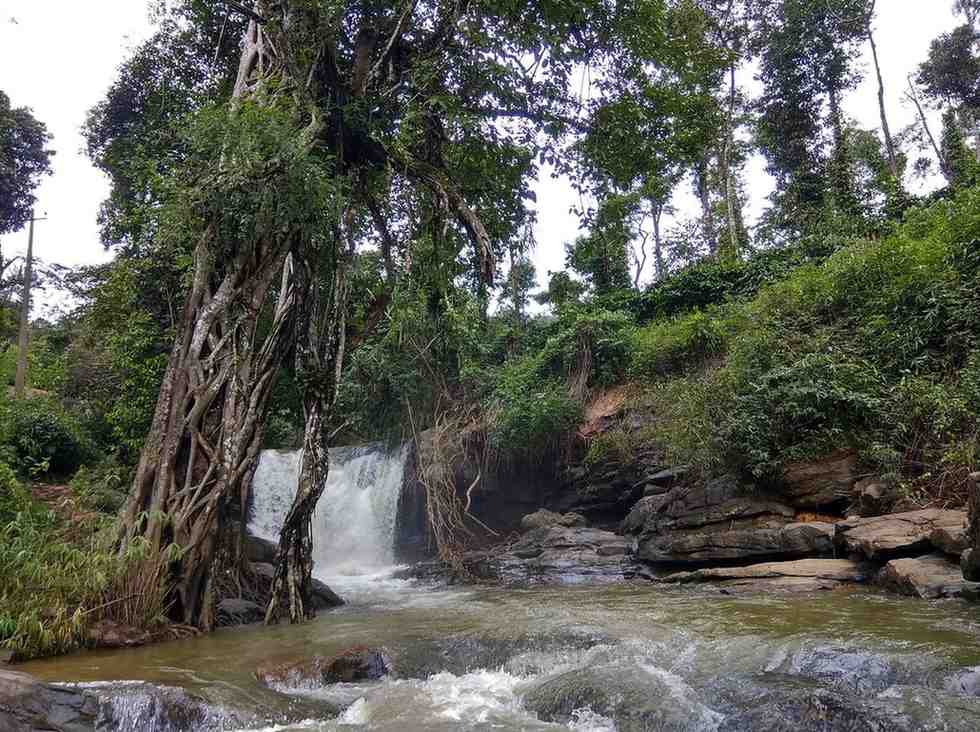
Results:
[821, 482]
[668, 478]
[634, 699]
[27, 705]
[951, 540]
[895, 534]
[791, 540]
[110, 634]
[260, 550]
[640, 513]
[353, 665]
[236, 611]
[140, 706]
[544, 518]
[870, 497]
[777, 703]
[801, 575]
[929, 577]
[717, 520]
[558, 555]
[324, 598]
[970, 559]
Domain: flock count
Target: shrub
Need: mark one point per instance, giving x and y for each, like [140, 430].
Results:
[680, 343]
[41, 437]
[530, 413]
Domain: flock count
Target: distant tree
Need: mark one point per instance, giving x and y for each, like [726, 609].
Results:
[24, 159]
[951, 76]
[562, 290]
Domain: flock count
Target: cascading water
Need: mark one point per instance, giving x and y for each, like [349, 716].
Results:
[354, 522]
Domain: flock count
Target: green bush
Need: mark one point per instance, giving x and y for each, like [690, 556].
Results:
[680, 343]
[531, 414]
[40, 437]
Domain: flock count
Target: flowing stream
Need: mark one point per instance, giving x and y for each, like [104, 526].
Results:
[621, 657]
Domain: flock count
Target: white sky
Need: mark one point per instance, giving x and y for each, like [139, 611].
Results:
[59, 57]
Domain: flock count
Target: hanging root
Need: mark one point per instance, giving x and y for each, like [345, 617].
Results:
[439, 450]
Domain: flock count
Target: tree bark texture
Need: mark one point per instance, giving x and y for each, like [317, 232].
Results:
[200, 454]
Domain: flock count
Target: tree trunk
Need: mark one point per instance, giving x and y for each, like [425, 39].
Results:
[657, 210]
[885, 128]
[207, 430]
[320, 347]
[726, 164]
[25, 316]
[943, 164]
[704, 194]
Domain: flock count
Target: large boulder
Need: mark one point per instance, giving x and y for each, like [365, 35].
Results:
[896, 534]
[633, 698]
[821, 482]
[720, 520]
[802, 575]
[929, 577]
[791, 540]
[237, 611]
[27, 705]
[970, 560]
[558, 555]
[353, 665]
[323, 597]
[545, 519]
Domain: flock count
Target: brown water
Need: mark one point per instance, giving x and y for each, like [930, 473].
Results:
[474, 658]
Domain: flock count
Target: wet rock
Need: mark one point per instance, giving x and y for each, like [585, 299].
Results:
[822, 482]
[139, 706]
[928, 577]
[545, 519]
[353, 665]
[525, 654]
[896, 534]
[27, 705]
[802, 575]
[323, 597]
[558, 555]
[634, 699]
[791, 540]
[784, 704]
[110, 634]
[236, 611]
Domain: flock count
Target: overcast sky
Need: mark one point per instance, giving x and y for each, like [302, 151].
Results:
[59, 57]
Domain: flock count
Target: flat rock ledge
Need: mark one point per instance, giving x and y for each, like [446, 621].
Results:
[929, 577]
[899, 534]
[558, 555]
[803, 575]
[698, 547]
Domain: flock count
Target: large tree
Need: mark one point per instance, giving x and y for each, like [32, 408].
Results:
[342, 113]
[24, 159]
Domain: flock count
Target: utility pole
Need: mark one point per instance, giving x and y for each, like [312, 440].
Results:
[25, 314]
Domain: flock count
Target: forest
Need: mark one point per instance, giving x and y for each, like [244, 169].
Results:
[322, 219]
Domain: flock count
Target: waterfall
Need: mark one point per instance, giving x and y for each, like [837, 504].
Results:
[354, 522]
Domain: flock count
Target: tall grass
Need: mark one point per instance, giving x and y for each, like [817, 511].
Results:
[58, 578]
